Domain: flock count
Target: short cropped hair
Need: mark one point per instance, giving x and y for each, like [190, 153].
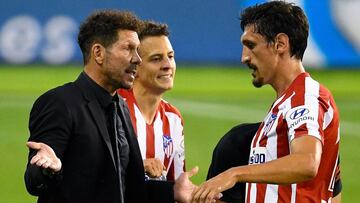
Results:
[102, 27]
[151, 28]
[272, 18]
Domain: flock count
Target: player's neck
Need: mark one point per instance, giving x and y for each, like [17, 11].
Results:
[147, 102]
[286, 74]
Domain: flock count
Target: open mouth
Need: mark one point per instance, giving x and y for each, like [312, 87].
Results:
[253, 68]
[131, 71]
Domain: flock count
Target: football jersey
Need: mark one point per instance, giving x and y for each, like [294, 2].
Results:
[162, 139]
[305, 109]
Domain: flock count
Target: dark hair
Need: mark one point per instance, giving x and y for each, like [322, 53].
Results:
[102, 27]
[272, 18]
[151, 28]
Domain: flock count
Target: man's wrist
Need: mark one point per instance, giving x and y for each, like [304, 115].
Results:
[50, 173]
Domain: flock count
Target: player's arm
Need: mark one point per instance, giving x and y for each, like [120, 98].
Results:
[300, 165]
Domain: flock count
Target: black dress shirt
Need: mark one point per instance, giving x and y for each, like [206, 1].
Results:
[120, 146]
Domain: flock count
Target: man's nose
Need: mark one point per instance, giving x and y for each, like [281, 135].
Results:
[136, 59]
[167, 63]
[245, 58]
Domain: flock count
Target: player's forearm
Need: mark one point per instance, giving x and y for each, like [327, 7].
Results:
[286, 170]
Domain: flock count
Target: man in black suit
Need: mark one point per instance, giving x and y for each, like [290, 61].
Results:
[82, 144]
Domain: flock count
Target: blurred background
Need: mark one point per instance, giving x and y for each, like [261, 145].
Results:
[38, 51]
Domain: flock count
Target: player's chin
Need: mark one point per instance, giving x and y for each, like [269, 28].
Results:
[165, 87]
[127, 84]
[257, 83]
[165, 84]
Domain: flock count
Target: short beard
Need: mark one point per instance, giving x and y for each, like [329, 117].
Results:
[258, 83]
[123, 85]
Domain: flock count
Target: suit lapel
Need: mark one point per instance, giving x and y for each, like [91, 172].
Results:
[96, 113]
[94, 108]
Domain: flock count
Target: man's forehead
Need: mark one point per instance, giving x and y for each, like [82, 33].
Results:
[155, 44]
[249, 34]
[129, 36]
[154, 40]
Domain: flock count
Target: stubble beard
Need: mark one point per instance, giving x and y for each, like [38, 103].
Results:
[258, 82]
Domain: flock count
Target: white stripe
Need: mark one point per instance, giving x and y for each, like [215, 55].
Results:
[284, 108]
[293, 192]
[176, 131]
[328, 116]
[271, 194]
[312, 89]
[246, 189]
[279, 100]
[253, 193]
[158, 136]
[271, 145]
[141, 131]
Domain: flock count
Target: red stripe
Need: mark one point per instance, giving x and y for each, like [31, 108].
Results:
[150, 141]
[260, 192]
[257, 135]
[283, 148]
[263, 141]
[130, 100]
[284, 193]
[323, 107]
[301, 130]
[299, 98]
[171, 173]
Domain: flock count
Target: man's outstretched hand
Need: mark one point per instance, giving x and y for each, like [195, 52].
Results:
[45, 156]
[183, 187]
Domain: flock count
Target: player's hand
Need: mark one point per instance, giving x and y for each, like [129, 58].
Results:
[210, 191]
[183, 187]
[154, 167]
[45, 156]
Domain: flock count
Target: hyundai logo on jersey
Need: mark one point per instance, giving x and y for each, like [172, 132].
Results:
[299, 113]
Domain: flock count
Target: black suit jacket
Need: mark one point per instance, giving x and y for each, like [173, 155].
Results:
[233, 150]
[70, 120]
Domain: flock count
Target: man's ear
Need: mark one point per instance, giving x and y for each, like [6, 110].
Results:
[98, 52]
[282, 44]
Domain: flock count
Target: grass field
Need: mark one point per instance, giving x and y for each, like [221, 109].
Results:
[212, 100]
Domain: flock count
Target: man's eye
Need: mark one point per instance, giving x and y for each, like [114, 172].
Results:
[251, 45]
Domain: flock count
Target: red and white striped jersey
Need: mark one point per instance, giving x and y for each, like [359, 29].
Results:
[163, 139]
[306, 108]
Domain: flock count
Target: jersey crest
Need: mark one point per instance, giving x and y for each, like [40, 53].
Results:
[269, 123]
[168, 145]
